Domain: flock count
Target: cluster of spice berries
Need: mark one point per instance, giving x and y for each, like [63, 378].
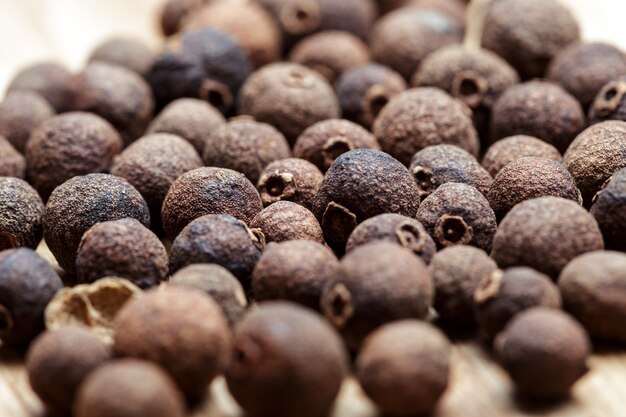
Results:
[289, 192]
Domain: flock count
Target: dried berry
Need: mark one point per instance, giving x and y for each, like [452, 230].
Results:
[502, 295]
[129, 53]
[290, 179]
[21, 112]
[609, 210]
[405, 231]
[377, 283]
[27, 283]
[528, 178]
[217, 282]
[362, 184]
[58, 362]
[453, 8]
[80, 203]
[285, 220]
[21, 213]
[296, 271]
[609, 103]
[529, 33]
[592, 286]
[584, 68]
[50, 80]
[175, 12]
[401, 131]
[364, 91]
[509, 149]
[286, 361]
[245, 146]
[540, 109]
[289, 97]
[545, 234]
[12, 163]
[544, 351]
[129, 388]
[208, 190]
[191, 344]
[404, 367]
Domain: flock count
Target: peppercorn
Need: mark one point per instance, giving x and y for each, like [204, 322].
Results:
[528, 178]
[129, 53]
[609, 210]
[245, 146]
[218, 239]
[595, 155]
[377, 283]
[21, 212]
[440, 164]
[21, 112]
[509, 149]
[297, 271]
[584, 68]
[540, 109]
[129, 388]
[192, 119]
[385, 6]
[330, 53]
[544, 351]
[609, 103]
[80, 203]
[401, 131]
[175, 12]
[48, 79]
[217, 282]
[59, 361]
[529, 33]
[12, 163]
[290, 179]
[545, 234]
[191, 344]
[452, 8]
[501, 295]
[364, 91]
[208, 190]
[286, 361]
[289, 97]
[405, 231]
[361, 184]
[592, 286]
[408, 353]
[404, 37]
[285, 220]
[27, 283]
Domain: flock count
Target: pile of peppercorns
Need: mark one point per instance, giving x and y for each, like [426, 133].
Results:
[212, 212]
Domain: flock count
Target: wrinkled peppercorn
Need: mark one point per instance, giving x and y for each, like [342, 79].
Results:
[21, 112]
[609, 210]
[285, 220]
[290, 179]
[21, 213]
[12, 163]
[509, 149]
[50, 80]
[609, 103]
[125, 52]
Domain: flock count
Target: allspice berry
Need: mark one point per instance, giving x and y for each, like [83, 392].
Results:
[609, 210]
[175, 12]
[290, 179]
[377, 283]
[285, 220]
[12, 163]
[21, 214]
[286, 361]
[297, 271]
[21, 112]
[59, 361]
[125, 52]
[509, 149]
[191, 344]
[544, 351]
[609, 103]
[401, 132]
[323, 142]
[545, 234]
[290, 97]
[453, 8]
[50, 80]
[409, 352]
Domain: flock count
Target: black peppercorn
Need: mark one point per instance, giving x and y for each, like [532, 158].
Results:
[130, 53]
[50, 80]
[609, 103]
[21, 213]
[509, 149]
[285, 220]
[12, 163]
[21, 112]
[290, 179]
[609, 210]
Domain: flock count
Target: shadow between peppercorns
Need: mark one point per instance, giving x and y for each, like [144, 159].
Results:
[541, 407]
[11, 355]
[457, 332]
[607, 347]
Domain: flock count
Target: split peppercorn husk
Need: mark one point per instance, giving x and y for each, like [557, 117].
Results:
[609, 210]
[21, 214]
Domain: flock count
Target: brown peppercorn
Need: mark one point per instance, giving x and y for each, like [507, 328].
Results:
[21, 213]
[191, 344]
[129, 388]
[286, 361]
[544, 351]
[361, 184]
[529, 33]
[285, 220]
[377, 283]
[584, 68]
[59, 361]
[609, 210]
[217, 282]
[12, 163]
[48, 79]
[595, 155]
[609, 103]
[364, 91]
[80, 203]
[545, 234]
[297, 271]
[208, 190]
[290, 179]
[289, 97]
[129, 53]
[453, 8]
[401, 131]
[501, 295]
[175, 12]
[515, 147]
[21, 112]
[540, 109]
[404, 367]
[27, 283]
[405, 231]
